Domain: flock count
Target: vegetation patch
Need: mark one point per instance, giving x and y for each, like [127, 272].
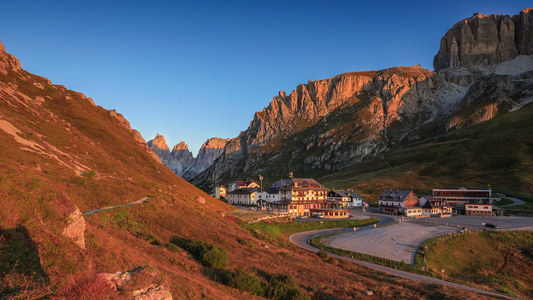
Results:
[208, 255]
[276, 230]
[499, 260]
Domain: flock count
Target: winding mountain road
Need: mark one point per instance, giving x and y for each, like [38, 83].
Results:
[140, 201]
[301, 239]
[516, 202]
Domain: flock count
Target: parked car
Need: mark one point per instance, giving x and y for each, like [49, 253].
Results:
[490, 225]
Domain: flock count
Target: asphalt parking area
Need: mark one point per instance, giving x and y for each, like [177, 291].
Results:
[397, 242]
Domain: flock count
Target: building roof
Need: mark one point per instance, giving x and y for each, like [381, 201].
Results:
[346, 193]
[243, 191]
[280, 183]
[302, 184]
[271, 191]
[430, 198]
[464, 189]
[395, 195]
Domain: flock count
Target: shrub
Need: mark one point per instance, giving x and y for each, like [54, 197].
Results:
[285, 287]
[244, 282]
[209, 255]
[324, 255]
[215, 258]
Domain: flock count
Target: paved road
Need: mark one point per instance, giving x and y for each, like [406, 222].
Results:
[140, 201]
[300, 239]
[396, 242]
[516, 202]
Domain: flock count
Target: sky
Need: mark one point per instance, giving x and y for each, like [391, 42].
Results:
[193, 70]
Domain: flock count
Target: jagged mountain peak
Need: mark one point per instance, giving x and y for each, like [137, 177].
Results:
[159, 142]
[180, 146]
[215, 142]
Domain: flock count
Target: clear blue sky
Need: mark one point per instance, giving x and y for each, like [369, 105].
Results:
[192, 70]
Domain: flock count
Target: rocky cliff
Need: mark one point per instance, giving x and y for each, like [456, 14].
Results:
[486, 40]
[181, 161]
[159, 146]
[327, 125]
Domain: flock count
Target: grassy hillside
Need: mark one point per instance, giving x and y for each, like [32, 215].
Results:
[498, 153]
[59, 152]
[499, 260]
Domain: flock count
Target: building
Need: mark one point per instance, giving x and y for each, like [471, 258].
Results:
[306, 197]
[413, 211]
[271, 195]
[395, 201]
[460, 196]
[432, 206]
[220, 192]
[246, 196]
[478, 209]
[242, 184]
[348, 198]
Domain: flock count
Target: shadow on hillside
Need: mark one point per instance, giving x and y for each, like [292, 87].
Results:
[19, 254]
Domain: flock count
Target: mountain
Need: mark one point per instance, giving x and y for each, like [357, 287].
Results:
[328, 125]
[62, 155]
[181, 161]
[486, 40]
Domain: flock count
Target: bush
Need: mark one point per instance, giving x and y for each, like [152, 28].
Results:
[244, 282]
[215, 258]
[324, 255]
[285, 287]
[209, 255]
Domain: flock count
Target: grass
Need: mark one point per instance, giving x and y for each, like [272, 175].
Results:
[498, 260]
[276, 229]
[503, 201]
[496, 152]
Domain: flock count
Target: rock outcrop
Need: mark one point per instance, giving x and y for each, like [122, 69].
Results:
[75, 229]
[182, 162]
[150, 287]
[483, 40]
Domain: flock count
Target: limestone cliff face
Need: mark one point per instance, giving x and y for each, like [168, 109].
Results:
[181, 160]
[486, 40]
[160, 147]
[209, 151]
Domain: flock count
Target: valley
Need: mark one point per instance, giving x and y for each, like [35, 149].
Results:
[364, 184]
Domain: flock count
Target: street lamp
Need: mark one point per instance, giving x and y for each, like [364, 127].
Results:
[261, 196]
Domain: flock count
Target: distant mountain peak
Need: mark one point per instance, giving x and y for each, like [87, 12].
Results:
[159, 142]
[483, 40]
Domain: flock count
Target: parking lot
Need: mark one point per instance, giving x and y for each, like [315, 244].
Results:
[397, 242]
[402, 240]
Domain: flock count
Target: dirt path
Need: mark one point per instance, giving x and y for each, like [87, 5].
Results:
[140, 201]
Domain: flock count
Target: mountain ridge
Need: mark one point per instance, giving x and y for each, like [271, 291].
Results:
[376, 111]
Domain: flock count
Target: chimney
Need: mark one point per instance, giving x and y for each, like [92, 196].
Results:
[291, 175]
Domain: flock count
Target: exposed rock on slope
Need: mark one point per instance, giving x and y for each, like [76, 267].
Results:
[486, 40]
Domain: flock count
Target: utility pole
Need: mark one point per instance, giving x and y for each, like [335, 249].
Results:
[261, 196]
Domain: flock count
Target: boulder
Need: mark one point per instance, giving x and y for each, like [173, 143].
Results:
[75, 229]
